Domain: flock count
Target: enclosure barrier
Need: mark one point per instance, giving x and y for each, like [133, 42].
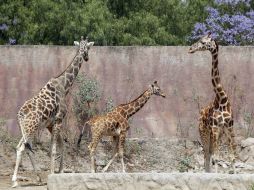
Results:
[151, 181]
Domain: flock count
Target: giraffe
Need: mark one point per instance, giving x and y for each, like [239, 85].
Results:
[216, 119]
[115, 124]
[47, 109]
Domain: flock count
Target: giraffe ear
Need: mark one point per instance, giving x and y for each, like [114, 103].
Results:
[76, 43]
[89, 44]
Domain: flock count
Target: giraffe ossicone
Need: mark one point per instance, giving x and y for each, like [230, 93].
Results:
[47, 109]
[115, 124]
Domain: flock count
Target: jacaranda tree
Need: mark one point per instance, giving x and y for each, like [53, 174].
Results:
[230, 21]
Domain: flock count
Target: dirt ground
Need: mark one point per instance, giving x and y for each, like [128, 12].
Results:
[141, 155]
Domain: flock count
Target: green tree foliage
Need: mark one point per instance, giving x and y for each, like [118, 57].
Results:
[153, 22]
[53, 21]
[107, 22]
[109, 105]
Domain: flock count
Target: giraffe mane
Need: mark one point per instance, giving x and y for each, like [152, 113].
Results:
[66, 67]
[134, 99]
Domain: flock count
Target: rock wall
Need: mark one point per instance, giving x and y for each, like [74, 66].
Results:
[151, 181]
[125, 72]
[246, 154]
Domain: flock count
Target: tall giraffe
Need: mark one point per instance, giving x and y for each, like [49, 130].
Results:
[115, 123]
[47, 109]
[217, 118]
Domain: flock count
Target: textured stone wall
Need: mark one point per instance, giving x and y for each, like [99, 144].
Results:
[125, 72]
[151, 181]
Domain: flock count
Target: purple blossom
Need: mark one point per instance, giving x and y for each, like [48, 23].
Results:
[12, 41]
[213, 13]
[251, 14]
[4, 27]
[236, 29]
[200, 29]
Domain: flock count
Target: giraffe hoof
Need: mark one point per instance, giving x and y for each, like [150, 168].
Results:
[15, 184]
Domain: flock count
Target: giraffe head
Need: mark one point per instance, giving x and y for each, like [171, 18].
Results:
[155, 89]
[84, 47]
[205, 43]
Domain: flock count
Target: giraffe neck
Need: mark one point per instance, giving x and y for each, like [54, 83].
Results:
[221, 96]
[215, 70]
[70, 73]
[135, 105]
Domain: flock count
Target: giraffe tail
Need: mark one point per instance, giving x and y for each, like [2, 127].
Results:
[29, 147]
[81, 135]
[79, 139]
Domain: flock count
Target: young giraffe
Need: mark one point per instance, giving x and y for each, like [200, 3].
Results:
[47, 110]
[115, 123]
[217, 118]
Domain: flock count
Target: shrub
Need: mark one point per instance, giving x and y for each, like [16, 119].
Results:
[86, 98]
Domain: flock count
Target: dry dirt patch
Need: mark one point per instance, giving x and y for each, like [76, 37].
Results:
[141, 155]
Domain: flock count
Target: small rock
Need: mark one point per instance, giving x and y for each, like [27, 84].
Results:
[101, 163]
[21, 178]
[130, 164]
[250, 160]
[247, 155]
[239, 165]
[223, 164]
[247, 142]
[244, 166]
[244, 154]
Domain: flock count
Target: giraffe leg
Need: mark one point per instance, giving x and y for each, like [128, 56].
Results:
[61, 146]
[93, 162]
[110, 162]
[207, 158]
[55, 133]
[205, 139]
[92, 147]
[34, 168]
[115, 153]
[215, 145]
[20, 149]
[53, 153]
[61, 150]
[121, 149]
[232, 146]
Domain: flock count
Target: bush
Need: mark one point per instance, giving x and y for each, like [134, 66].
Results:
[86, 98]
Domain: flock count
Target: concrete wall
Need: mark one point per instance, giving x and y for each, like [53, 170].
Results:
[125, 72]
[151, 181]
